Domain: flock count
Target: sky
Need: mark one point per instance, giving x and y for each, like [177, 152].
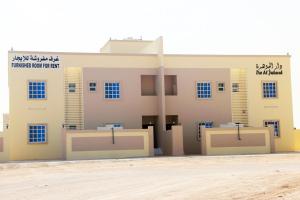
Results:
[187, 26]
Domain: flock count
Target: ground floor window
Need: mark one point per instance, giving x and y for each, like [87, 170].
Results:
[206, 124]
[37, 133]
[275, 124]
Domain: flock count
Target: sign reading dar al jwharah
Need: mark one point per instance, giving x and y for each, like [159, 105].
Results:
[269, 69]
[35, 61]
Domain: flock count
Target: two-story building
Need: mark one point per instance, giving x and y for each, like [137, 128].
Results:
[133, 84]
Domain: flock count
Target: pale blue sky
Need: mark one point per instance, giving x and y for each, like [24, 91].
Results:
[188, 26]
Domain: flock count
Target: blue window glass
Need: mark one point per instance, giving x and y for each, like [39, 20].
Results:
[37, 134]
[269, 89]
[112, 90]
[203, 90]
[274, 124]
[37, 90]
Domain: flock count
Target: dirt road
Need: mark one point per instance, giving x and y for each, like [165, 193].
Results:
[274, 176]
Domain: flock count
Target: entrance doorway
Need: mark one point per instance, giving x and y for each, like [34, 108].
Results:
[170, 121]
[151, 121]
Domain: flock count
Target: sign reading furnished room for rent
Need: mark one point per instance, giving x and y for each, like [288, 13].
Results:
[35, 61]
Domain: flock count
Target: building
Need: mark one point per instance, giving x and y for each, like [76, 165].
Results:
[133, 84]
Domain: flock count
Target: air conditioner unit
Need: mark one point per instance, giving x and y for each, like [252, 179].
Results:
[231, 125]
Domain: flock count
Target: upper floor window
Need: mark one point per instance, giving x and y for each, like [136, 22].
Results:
[235, 87]
[72, 87]
[37, 133]
[275, 124]
[203, 90]
[269, 89]
[92, 86]
[221, 87]
[37, 89]
[206, 124]
[170, 85]
[148, 85]
[112, 90]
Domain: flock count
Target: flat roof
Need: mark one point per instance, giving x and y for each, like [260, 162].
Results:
[139, 54]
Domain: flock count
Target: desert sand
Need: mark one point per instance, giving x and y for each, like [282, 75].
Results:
[274, 176]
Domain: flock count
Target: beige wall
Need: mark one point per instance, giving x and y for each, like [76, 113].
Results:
[222, 141]
[91, 144]
[172, 141]
[191, 110]
[23, 112]
[259, 109]
[128, 110]
[297, 139]
[4, 147]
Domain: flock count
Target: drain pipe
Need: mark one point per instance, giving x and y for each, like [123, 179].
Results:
[238, 135]
[113, 135]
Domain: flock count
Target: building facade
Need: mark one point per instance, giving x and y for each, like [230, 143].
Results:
[133, 84]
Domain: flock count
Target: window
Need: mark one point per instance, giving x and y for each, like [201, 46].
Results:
[72, 127]
[72, 87]
[276, 126]
[203, 90]
[206, 124]
[112, 90]
[148, 85]
[235, 87]
[269, 89]
[92, 86]
[170, 85]
[221, 87]
[37, 133]
[37, 90]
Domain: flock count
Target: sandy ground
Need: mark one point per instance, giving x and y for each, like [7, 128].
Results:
[254, 177]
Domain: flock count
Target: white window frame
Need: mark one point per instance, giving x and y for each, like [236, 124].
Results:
[36, 133]
[198, 91]
[113, 96]
[268, 92]
[34, 94]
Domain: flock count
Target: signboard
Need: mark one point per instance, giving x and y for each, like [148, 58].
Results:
[269, 69]
[35, 61]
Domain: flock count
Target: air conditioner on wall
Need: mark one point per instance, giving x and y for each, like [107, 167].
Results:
[231, 125]
[108, 127]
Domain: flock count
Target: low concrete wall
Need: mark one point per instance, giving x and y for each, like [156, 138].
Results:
[173, 142]
[4, 156]
[296, 139]
[222, 141]
[92, 144]
[3, 147]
